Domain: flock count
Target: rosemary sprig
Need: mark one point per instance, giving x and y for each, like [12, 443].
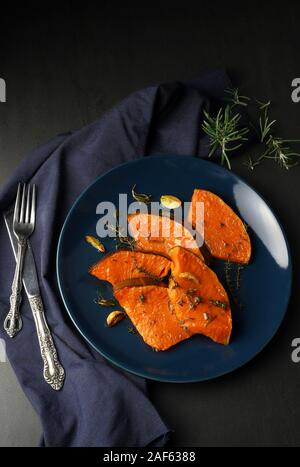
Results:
[100, 300]
[228, 277]
[223, 131]
[125, 242]
[226, 135]
[147, 273]
[239, 270]
[263, 105]
[122, 240]
[140, 197]
[276, 148]
[232, 287]
[105, 302]
[236, 98]
[265, 124]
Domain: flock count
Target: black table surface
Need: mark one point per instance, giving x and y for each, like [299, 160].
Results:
[64, 66]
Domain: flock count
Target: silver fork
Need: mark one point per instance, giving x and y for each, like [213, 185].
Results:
[23, 226]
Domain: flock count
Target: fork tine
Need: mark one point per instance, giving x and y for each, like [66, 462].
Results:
[33, 202]
[17, 205]
[27, 205]
[22, 213]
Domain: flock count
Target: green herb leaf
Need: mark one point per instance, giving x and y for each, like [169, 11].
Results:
[236, 98]
[223, 130]
[219, 304]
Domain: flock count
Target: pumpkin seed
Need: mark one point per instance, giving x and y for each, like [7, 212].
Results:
[170, 201]
[114, 317]
[95, 243]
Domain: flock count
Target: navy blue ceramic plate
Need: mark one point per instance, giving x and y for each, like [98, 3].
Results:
[264, 290]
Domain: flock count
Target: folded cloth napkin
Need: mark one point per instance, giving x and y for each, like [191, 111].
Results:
[99, 404]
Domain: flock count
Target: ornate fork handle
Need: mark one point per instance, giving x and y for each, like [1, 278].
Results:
[54, 373]
[13, 321]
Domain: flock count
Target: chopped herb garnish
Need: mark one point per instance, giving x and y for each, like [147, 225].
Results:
[147, 273]
[208, 318]
[239, 270]
[192, 299]
[141, 298]
[105, 301]
[197, 300]
[191, 291]
[219, 304]
[122, 240]
[132, 330]
[246, 226]
[228, 278]
[232, 288]
[140, 197]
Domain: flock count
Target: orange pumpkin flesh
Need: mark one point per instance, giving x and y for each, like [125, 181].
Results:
[194, 301]
[199, 300]
[160, 234]
[124, 264]
[225, 235]
[149, 309]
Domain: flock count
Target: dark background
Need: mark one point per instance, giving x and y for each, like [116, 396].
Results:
[65, 65]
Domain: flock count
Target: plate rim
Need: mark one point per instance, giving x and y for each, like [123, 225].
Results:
[140, 373]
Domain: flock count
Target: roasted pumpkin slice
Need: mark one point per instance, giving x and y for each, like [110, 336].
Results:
[199, 300]
[139, 282]
[160, 233]
[149, 309]
[124, 264]
[225, 235]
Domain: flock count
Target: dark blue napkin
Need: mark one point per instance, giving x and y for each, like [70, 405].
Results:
[99, 404]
